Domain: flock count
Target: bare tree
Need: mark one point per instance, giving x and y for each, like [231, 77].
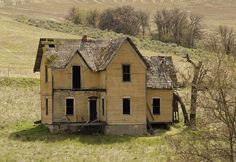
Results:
[194, 30]
[74, 16]
[223, 40]
[144, 21]
[178, 27]
[92, 18]
[215, 139]
[227, 38]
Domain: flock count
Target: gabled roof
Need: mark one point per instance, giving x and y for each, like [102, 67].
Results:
[96, 54]
[161, 72]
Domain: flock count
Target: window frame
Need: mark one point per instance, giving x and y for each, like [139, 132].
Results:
[46, 106]
[123, 73]
[130, 105]
[46, 74]
[159, 106]
[103, 106]
[73, 106]
[72, 77]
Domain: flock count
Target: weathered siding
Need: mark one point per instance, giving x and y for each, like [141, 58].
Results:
[62, 78]
[117, 89]
[46, 91]
[102, 116]
[166, 110]
[81, 106]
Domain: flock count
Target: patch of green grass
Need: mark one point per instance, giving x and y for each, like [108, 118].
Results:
[19, 82]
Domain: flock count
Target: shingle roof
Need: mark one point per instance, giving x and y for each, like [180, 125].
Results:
[97, 54]
[161, 72]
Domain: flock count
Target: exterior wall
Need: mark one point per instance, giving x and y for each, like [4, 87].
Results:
[102, 116]
[117, 89]
[128, 129]
[166, 110]
[62, 78]
[46, 92]
[81, 106]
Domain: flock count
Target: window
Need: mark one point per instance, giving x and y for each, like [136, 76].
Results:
[126, 105]
[46, 106]
[156, 106]
[126, 73]
[76, 77]
[46, 73]
[69, 106]
[51, 45]
[103, 106]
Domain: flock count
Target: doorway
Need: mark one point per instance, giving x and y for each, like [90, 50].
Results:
[93, 109]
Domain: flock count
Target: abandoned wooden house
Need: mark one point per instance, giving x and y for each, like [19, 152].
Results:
[106, 83]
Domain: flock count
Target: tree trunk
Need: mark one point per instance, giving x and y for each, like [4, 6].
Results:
[194, 91]
[178, 98]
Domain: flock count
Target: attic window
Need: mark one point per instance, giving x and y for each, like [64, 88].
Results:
[126, 73]
[51, 45]
[43, 39]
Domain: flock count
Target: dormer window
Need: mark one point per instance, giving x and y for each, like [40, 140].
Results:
[126, 73]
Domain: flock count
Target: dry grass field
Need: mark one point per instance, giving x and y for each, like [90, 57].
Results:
[214, 12]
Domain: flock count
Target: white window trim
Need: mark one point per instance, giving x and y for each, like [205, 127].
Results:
[152, 105]
[73, 106]
[131, 110]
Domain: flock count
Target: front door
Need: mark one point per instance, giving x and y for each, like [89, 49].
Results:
[93, 109]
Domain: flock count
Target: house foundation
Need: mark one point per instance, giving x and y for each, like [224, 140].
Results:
[127, 129]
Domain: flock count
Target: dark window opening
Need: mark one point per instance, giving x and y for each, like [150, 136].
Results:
[51, 45]
[46, 73]
[126, 73]
[103, 106]
[126, 105]
[69, 106]
[49, 39]
[156, 106]
[76, 77]
[46, 106]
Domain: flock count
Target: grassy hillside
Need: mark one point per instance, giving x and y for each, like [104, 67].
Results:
[214, 12]
[18, 46]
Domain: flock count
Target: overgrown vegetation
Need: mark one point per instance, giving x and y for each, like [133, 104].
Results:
[178, 27]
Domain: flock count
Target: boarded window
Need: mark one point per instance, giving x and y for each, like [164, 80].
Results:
[126, 105]
[103, 106]
[46, 73]
[69, 106]
[76, 77]
[156, 106]
[46, 106]
[126, 73]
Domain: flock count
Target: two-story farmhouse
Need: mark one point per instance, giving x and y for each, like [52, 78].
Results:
[105, 82]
